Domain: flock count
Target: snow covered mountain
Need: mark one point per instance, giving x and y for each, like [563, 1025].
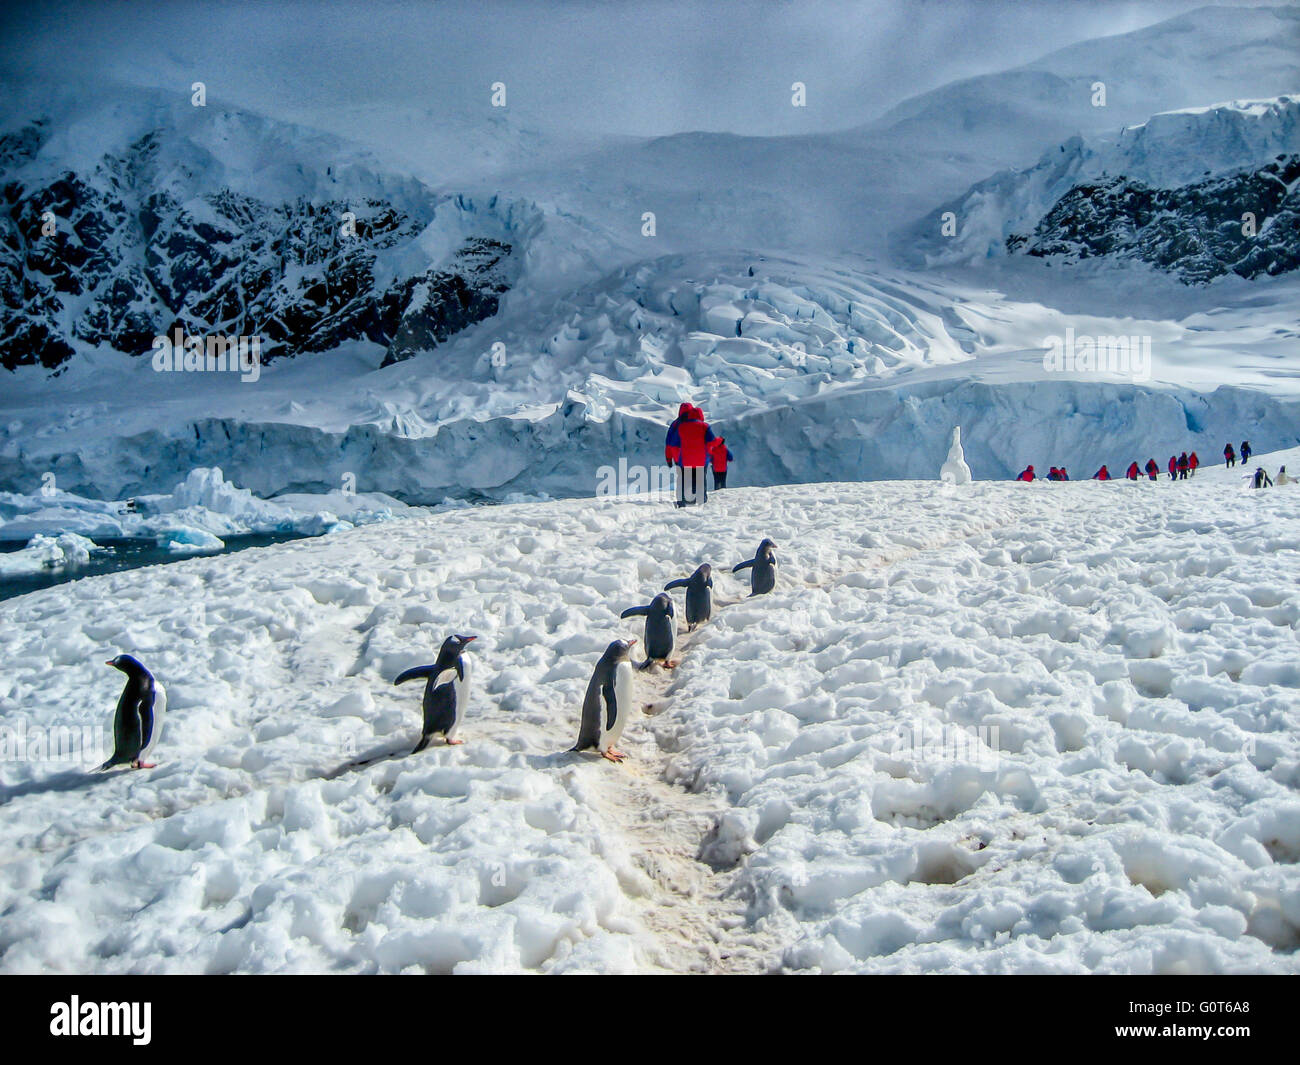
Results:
[232, 226]
[1198, 192]
[514, 320]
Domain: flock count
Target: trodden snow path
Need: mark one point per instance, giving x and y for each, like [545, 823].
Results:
[1133, 645]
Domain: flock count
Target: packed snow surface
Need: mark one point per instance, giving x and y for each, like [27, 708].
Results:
[976, 728]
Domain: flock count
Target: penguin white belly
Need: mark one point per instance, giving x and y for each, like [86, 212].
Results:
[461, 689]
[623, 702]
[159, 712]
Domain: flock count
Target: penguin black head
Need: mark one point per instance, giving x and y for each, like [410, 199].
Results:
[767, 547]
[705, 572]
[452, 646]
[663, 604]
[619, 649]
[128, 664]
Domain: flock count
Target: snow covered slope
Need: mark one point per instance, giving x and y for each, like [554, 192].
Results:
[1197, 59]
[1048, 728]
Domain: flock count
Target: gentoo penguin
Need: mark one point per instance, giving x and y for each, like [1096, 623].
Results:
[660, 629]
[447, 692]
[608, 703]
[763, 579]
[699, 595]
[137, 722]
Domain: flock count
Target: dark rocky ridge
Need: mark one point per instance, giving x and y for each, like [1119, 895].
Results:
[1195, 231]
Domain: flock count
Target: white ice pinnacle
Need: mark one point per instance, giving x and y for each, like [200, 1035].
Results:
[954, 469]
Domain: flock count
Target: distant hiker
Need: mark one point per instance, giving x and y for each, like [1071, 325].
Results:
[1133, 471]
[1027, 474]
[1153, 471]
[721, 455]
[1053, 474]
[1230, 457]
[1282, 477]
[1182, 466]
[1262, 479]
[1245, 452]
[687, 447]
[1193, 462]
[1103, 474]
[1173, 467]
[1064, 476]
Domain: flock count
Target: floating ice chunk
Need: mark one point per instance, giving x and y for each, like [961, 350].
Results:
[48, 552]
[186, 540]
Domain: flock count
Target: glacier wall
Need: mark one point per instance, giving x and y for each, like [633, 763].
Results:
[901, 431]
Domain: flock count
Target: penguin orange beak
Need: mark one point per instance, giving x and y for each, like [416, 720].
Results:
[108, 663]
[470, 639]
[631, 643]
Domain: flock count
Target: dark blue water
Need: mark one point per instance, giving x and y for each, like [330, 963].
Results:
[123, 555]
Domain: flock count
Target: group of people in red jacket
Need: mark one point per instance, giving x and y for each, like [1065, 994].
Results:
[691, 445]
[1180, 468]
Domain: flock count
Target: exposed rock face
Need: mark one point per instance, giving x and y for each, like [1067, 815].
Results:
[123, 253]
[1197, 231]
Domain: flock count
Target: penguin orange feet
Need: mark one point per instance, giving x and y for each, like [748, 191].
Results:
[454, 743]
[613, 755]
[672, 665]
[137, 764]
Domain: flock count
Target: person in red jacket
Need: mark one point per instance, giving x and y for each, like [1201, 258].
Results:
[1183, 463]
[687, 447]
[1229, 456]
[1192, 463]
[1173, 467]
[721, 455]
[1103, 474]
[1133, 471]
[1153, 471]
[1027, 474]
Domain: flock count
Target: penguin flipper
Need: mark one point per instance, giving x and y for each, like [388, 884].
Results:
[415, 673]
[145, 711]
[635, 611]
[683, 582]
[743, 565]
[611, 702]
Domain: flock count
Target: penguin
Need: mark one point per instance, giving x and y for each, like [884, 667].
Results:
[699, 595]
[447, 692]
[763, 579]
[660, 629]
[137, 721]
[608, 703]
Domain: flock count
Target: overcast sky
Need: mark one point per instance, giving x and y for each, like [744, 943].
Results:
[648, 67]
